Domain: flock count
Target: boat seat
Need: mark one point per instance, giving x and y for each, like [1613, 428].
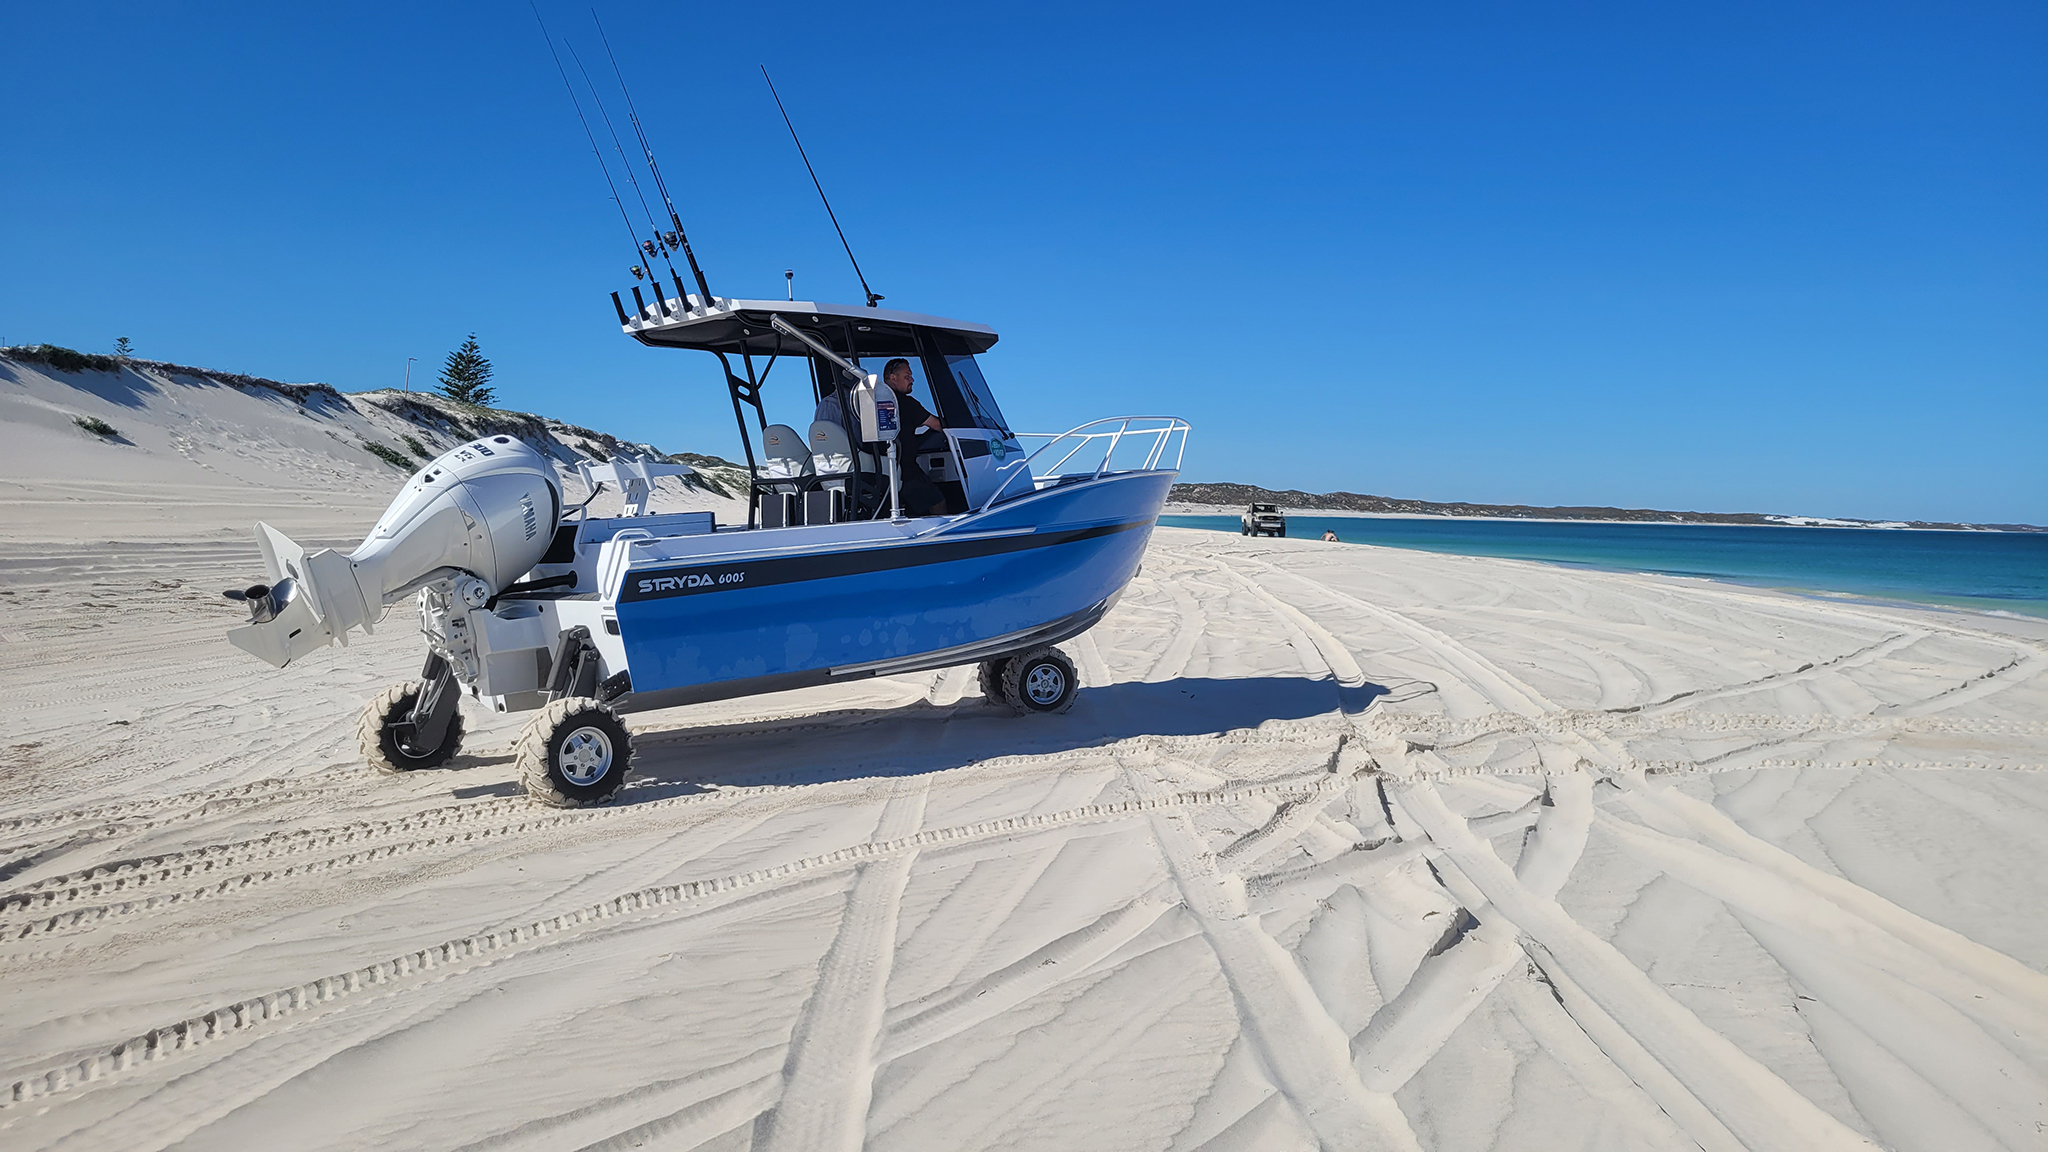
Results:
[832, 460]
[786, 463]
[832, 453]
[785, 474]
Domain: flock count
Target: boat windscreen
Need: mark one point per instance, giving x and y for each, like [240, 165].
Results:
[979, 402]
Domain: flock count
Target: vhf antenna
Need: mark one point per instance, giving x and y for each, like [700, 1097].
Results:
[682, 239]
[592, 137]
[872, 298]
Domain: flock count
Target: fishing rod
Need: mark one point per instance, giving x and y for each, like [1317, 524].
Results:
[651, 247]
[631, 233]
[682, 240]
[872, 297]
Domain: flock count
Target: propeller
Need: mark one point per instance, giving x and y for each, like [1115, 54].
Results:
[263, 599]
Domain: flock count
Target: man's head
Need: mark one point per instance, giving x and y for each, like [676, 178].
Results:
[896, 374]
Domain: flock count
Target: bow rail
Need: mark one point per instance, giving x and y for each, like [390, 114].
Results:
[1143, 441]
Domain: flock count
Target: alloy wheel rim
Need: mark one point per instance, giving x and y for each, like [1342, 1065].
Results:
[1045, 684]
[586, 756]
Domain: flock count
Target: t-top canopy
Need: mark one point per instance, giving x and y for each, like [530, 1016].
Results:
[736, 326]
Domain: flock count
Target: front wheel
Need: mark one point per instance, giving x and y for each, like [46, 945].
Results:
[1041, 680]
[574, 753]
[378, 732]
[992, 678]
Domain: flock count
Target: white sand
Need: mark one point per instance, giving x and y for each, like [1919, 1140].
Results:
[1284, 877]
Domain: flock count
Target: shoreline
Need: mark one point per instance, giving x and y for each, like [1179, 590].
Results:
[1804, 592]
[1181, 508]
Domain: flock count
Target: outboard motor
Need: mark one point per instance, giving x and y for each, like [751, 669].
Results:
[487, 509]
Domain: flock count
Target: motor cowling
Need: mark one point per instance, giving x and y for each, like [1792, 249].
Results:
[488, 508]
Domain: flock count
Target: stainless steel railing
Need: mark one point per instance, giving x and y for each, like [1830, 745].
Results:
[1155, 436]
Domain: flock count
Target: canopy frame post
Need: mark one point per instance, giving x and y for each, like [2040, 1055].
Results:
[747, 391]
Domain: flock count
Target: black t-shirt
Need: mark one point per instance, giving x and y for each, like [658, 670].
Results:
[911, 413]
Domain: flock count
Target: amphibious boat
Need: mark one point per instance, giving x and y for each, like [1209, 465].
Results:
[528, 604]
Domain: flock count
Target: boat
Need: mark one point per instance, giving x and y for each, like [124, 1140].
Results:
[529, 605]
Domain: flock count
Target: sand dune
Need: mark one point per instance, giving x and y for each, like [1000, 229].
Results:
[1341, 847]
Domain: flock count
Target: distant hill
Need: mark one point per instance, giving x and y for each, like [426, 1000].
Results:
[1236, 496]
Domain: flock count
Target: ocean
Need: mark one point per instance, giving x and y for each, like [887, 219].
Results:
[1981, 571]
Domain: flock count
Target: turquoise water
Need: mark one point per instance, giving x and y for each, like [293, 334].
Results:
[1984, 571]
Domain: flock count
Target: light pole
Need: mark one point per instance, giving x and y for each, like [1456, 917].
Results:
[408, 372]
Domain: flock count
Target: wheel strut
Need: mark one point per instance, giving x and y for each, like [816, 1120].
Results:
[423, 731]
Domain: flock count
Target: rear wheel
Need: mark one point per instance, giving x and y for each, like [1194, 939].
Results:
[377, 732]
[574, 753]
[1041, 680]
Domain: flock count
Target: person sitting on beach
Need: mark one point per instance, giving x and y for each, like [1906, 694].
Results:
[1330, 536]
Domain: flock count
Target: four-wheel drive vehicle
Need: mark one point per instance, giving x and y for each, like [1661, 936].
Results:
[1262, 520]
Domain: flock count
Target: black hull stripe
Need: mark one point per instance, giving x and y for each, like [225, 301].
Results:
[699, 577]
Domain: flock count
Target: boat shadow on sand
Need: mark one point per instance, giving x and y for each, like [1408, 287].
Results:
[921, 738]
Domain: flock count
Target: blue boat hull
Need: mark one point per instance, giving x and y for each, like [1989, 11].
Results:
[1033, 571]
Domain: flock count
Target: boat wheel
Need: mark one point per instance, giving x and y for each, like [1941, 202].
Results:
[992, 678]
[1041, 680]
[574, 753]
[377, 735]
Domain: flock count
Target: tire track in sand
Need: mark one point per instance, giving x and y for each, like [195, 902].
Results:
[1189, 624]
[1752, 1103]
[312, 783]
[1307, 1054]
[829, 1076]
[1723, 1097]
[168, 1040]
[56, 909]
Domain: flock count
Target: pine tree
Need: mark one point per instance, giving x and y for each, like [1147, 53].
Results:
[466, 374]
[123, 348]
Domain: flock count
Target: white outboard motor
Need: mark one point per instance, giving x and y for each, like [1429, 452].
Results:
[482, 514]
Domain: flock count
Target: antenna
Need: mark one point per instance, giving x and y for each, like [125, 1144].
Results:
[682, 240]
[872, 298]
[578, 105]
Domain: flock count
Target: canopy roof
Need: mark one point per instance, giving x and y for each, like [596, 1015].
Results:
[736, 326]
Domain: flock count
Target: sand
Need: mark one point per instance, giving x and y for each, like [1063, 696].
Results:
[1341, 847]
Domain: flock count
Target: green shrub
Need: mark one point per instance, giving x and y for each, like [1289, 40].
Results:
[418, 449]
[96, 426]
[64, 359]
[387, 454]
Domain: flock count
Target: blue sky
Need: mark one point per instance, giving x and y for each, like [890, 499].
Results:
[1726, 257]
